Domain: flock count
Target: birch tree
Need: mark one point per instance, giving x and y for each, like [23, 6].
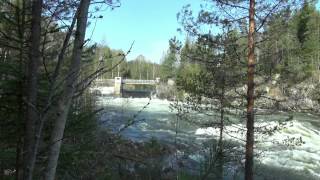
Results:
[68, 92]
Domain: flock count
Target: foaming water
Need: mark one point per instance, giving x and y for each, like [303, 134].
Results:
[303, 157]
[288, 149]
[295, 145]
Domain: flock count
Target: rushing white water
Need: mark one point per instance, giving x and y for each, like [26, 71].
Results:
[294, 146]
[103, 90]
[292, 151]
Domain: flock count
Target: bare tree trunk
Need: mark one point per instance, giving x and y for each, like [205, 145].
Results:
[220, 158]
[250, 95]
[32, 88]
[45, 114]
[153, 71]
[69, 89]
[19, 149]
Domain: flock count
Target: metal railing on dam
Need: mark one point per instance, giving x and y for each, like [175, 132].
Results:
[110, 82]
[138, 81]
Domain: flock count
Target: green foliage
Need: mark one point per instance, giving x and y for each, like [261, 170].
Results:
[139, 68]
[79, 149]
[291, 44]
[209, 64]
[168, 66]
[12, 77]
[304, 17]
[169, 63]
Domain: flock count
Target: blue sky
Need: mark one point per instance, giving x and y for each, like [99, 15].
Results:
[149, 23]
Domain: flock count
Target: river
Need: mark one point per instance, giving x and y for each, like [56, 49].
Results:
[276, 157]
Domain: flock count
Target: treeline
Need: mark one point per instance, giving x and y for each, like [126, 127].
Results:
[288, 46]
[138, 68]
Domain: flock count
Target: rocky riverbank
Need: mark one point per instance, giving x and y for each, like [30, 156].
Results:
[302, 97]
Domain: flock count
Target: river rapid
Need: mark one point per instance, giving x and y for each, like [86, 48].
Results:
[292, 151]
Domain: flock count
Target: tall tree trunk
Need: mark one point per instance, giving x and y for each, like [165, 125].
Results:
[250, 95]
[65, 102]
[45, 114]
[220, 156]
[20, 86]
[32, 88]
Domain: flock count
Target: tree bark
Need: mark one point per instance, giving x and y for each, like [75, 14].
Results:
[32, 88]
[250, 95]
[69, 89]
[220, 156]
[45, 114]
[20, 86]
